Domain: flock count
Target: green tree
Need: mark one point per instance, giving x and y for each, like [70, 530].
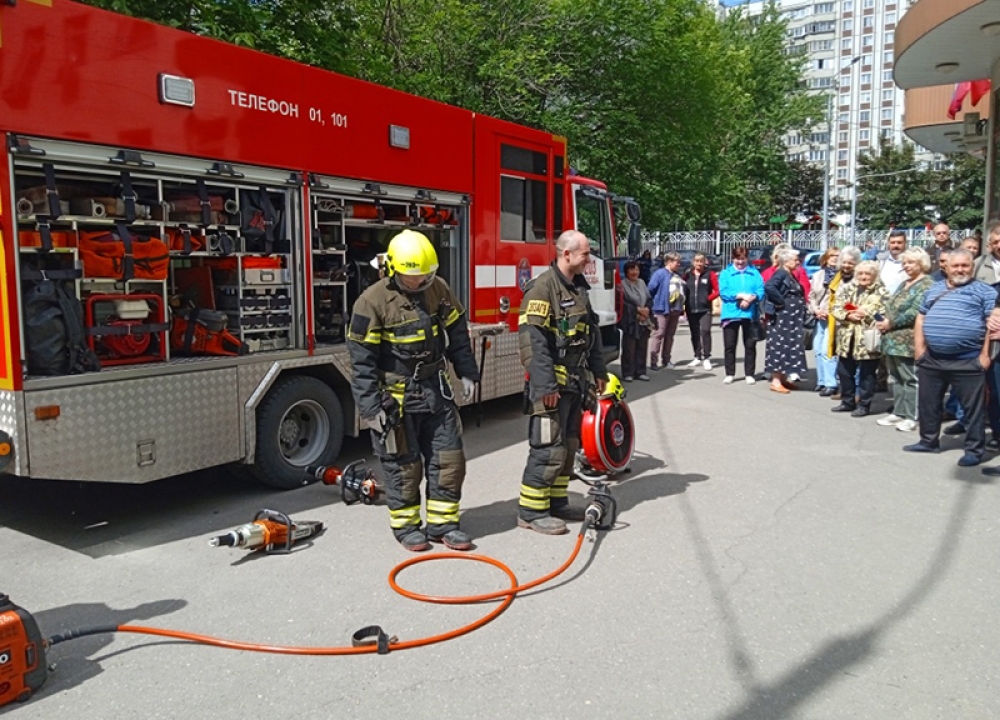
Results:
[802, 191]
[317, 32]
[961, 190]
[892, 189]
[766, 99]
[656, 97]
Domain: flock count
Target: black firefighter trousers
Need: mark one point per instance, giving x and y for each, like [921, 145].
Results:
[430, 442]
[553, 439]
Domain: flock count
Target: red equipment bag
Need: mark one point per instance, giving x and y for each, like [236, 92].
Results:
[608, 436]
[184, 241]
[29, 238]
[123, 256]
[249, 263]
[197, 331]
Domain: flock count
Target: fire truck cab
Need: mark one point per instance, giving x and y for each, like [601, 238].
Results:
[185, 225]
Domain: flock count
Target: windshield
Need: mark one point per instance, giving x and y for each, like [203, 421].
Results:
[593, 219]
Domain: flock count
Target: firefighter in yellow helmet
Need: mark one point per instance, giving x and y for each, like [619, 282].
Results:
[561, 349]
[405, 329]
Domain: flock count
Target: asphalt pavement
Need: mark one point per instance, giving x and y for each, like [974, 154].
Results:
[772, 560]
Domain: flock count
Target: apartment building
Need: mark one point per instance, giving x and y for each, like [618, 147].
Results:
[847, 50]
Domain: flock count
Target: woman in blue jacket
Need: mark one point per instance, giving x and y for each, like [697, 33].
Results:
[740, 288]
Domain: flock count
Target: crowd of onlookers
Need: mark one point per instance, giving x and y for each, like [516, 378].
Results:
[929, 319]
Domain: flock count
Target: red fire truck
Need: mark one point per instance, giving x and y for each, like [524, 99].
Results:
[186, 224]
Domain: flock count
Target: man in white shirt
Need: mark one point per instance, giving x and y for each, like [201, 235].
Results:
[891, 262]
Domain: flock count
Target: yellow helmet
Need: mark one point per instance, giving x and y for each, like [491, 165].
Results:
[614, 388]
[411, 253]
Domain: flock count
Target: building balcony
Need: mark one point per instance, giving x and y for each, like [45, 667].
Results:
[927, 123]
[946, 41]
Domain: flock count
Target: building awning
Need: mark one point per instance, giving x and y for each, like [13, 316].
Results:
[946, 41]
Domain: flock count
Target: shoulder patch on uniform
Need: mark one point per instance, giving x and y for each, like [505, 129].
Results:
[360, 325]
[537, 307]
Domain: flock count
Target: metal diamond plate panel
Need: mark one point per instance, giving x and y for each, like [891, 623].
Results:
[12, 423]
[508, 369]
[250, 377]
[502, 372]
[136, 431]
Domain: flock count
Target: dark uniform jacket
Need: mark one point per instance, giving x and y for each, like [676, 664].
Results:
[399, 341]
[558, 334]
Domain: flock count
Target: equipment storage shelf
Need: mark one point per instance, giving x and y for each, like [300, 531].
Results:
[255, 293]
[330, 310]
[74, 201]
[329, 265]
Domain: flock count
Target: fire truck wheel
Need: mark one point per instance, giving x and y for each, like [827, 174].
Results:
[299, 423]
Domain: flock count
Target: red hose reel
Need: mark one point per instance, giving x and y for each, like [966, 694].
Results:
[607, 436]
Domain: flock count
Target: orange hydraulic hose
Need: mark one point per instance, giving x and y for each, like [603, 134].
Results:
[508, 595]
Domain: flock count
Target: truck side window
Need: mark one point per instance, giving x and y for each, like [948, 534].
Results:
[523, 209]
[524, 212]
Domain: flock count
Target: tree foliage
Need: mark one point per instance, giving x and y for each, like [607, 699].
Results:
[317, 32]
[802, 192]
[961, 191]
[768, 100]
[900, 192]
[661, 99]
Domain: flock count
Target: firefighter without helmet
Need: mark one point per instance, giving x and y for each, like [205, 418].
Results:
[411, 255]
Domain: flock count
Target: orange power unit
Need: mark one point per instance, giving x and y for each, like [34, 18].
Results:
[22, 654]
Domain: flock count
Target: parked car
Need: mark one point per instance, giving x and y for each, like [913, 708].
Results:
[811, 261]
[687, 257]
[760, 256]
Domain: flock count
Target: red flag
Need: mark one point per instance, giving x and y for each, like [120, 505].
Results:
[961, 90]
[977, 89]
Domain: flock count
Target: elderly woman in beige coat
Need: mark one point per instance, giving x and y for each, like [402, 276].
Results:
[858, 305]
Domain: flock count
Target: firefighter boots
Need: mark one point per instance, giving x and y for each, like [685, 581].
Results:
[546, 525]
[567, 512]
[415, 541]
[454, 539]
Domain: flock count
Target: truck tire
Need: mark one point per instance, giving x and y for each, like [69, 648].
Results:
[300, 422]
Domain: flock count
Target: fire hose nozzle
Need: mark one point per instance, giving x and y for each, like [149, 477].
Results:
[602, 512]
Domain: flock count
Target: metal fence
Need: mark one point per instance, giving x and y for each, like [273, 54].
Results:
[717, 242]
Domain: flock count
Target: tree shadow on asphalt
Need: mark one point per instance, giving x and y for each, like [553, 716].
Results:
[829, 662]
[74, 660]
[629, 490]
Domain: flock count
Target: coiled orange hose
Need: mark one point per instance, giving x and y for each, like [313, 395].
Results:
[508, 595]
